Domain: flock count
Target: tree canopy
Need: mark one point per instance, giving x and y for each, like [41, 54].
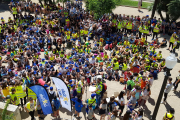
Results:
[170, 7]
[100, 7]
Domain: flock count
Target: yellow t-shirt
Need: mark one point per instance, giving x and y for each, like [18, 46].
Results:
[6, 91]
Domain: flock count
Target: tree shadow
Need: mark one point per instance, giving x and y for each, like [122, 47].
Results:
[151, 101]
[4, 7]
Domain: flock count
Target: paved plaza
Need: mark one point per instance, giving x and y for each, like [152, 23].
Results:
[173, 99]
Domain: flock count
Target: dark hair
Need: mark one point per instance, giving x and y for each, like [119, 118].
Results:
[131, 77]
[127, 115]
[4, 85]
[79, 96]
[13, 89]
[121, 94]
[171, 110]
[137, 87]
[140, 112]
[170, 78]
[148, 87]
[112, 98]
[115, 113]
[135, 74]
[104, 100]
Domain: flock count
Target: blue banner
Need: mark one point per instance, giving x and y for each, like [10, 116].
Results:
[43, 98]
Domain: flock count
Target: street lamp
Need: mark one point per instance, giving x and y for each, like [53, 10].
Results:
[171, 61]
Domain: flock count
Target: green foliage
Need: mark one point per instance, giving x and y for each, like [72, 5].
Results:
[4, 115]
[173, 9]
[132, 3]
[100, 7]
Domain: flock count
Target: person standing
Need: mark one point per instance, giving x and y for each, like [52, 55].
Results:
[98, 90]
[175, 84]
[30, 108]
[56, 105]
[39, 109]
[168, 89]
[139, 5]
[21, 93]
[14, 99]
[156, 30]
[170, 115]
[121, 102]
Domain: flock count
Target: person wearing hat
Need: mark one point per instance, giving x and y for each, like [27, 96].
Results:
[51, 94]
[46, 54]
[154, 65]
[30, 108]
[92, 101]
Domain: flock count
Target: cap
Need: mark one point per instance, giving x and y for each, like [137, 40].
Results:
[51, 88]
[40, 64]
[127, 47]
[154, 55]
[34, 64]
[60, 74]
[62, 66]
[85, 65]
[93, 57]
[9, 70]
[51, 66]
[73, 69]
[70, 81]
[87, 59]
[68, 73]
[154, 61]
[46, 62]
[45, 85]
[43, 59]
[67, 68]
[93, 95]
[108, 67]
[87, 72]
[72, 85]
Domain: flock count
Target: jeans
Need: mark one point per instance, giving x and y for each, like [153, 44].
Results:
[98, 100]
[176, 85]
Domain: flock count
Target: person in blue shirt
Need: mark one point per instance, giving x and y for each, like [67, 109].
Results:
[78, 105]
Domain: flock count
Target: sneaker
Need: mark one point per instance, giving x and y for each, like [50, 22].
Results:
[167, 49]
[162, 102]
[124, 88]
[79, 117]
[75, 115]
[173, 88]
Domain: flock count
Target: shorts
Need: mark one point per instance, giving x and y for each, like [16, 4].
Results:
[39, 111]
[63, 42]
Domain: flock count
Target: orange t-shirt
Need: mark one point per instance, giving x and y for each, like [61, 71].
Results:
[143, 84]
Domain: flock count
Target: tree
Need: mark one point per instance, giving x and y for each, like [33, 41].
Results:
[167, 6]
[173, 9]
[100, 7]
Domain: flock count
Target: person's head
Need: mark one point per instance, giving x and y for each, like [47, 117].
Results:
[172, 110]
[112, 98]
[147, 87]
[114, 112]
[51, 88]
[170, 79]
[138, 88]
[103, 101]
[131, 77]
[121, 94]
[151, 76]
[30, 99]
[90, 107]
[79, 97]
[133, 93]
[127, 115]
[98, 80]
[13, 90]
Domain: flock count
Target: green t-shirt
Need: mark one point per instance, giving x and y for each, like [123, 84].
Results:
[131, 82]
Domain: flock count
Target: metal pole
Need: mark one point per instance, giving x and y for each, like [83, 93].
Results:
[160, 95]
[154, 8]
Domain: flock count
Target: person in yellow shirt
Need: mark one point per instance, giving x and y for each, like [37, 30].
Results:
[170, 115]
[172, 40]
[5, 89]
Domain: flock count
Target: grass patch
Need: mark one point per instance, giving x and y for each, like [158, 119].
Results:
[132, 3]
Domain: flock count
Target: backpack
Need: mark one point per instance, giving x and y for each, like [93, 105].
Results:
[51, 96]
[57, 104]
[104, 88]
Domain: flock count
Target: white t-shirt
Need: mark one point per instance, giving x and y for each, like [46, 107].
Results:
[121, 100]
[151, 81]
[168, 88]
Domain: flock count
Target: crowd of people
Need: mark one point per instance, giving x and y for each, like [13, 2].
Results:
[44, 41]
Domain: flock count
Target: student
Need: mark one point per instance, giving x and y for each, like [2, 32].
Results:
[90, 113]
[168, 89]
[56, 106]
[121, 102]
[132, 101]
[78, 105]
[39, 109]
[102, 109]
[146, 94]
[127, 115]
[30, 107]
[113, 115]
[130, 84]
[175, 84]
[170, 115]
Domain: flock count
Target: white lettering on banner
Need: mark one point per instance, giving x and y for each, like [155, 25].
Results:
[44, 100]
